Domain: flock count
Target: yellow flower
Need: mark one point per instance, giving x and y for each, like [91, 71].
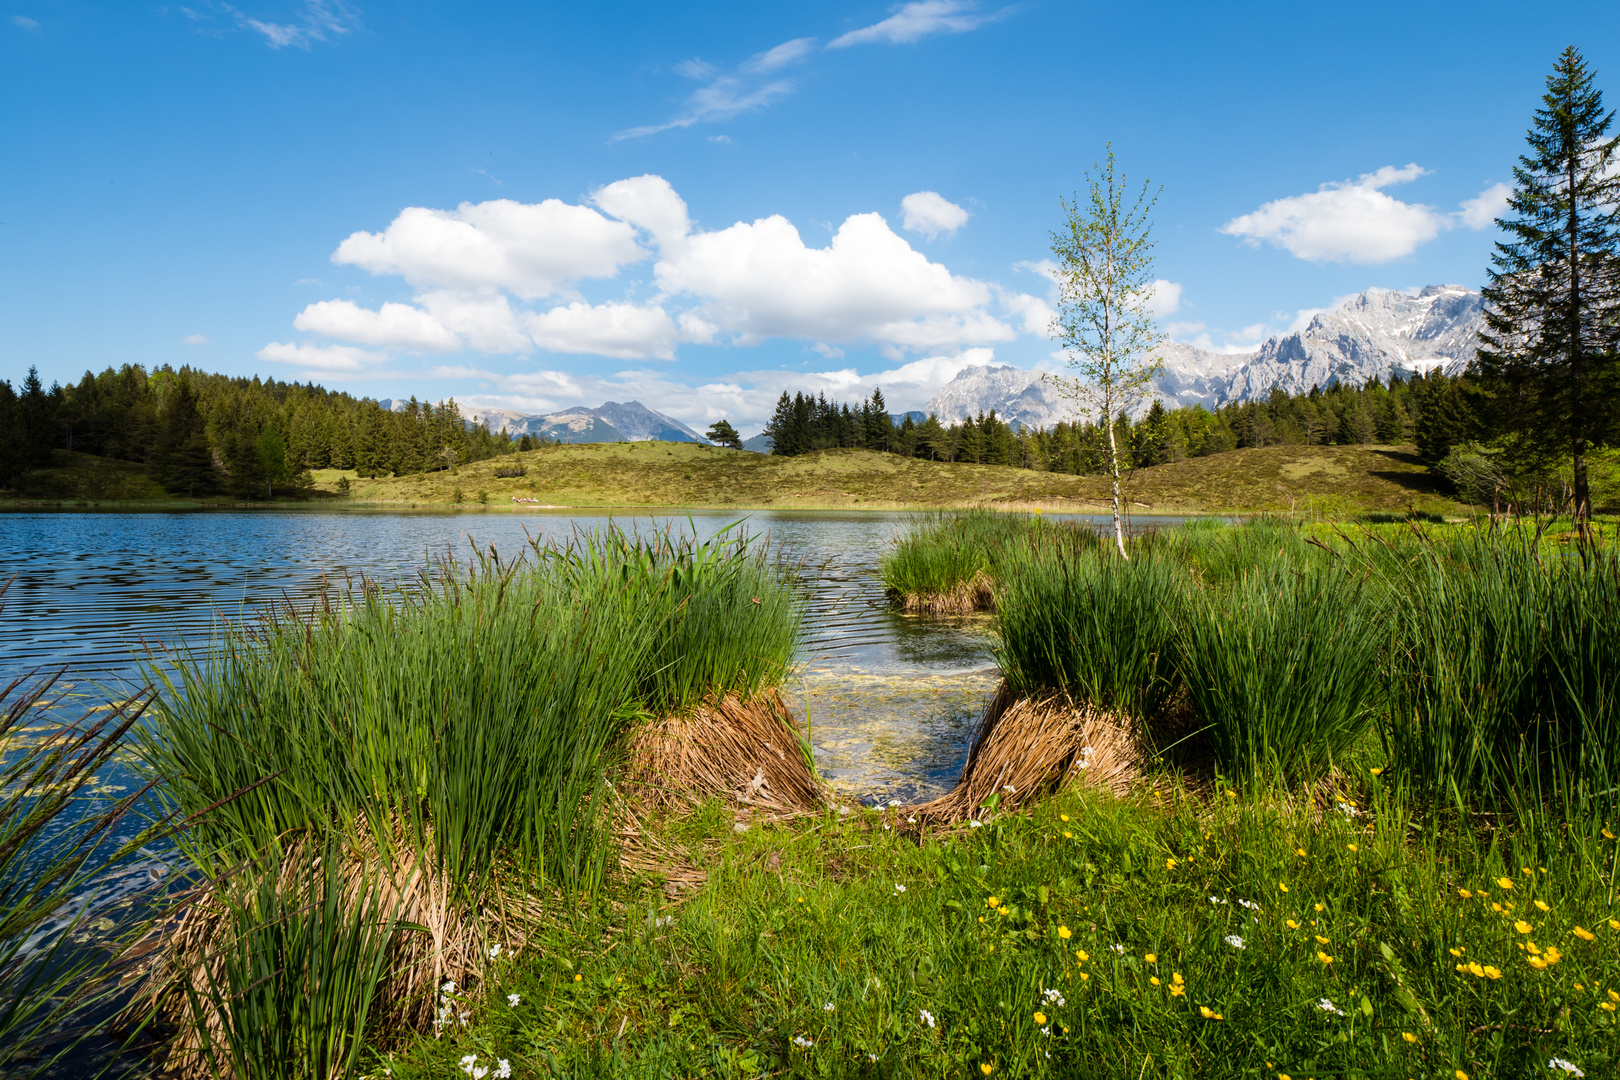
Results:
[1523, 927]
[1281, 887]
[1376, 772]
[579, 978]
[1154, 980]
[1231, 794]
[986, 1068]
[1176, 990]
[1321, 907]
[1477, 971]
[1292, 925]
[1284, 1076]
[1504, 882]
[1040, 1018]
[1324, 957]
[1169, 864]
[1065, 933]
[1493, 972]
[981, 918]
[1461, 968]
[991, 902]
[1579, 988]
[1063, 817]
[1300, 852]
[1614, 924]
[1461, 1075]
[1531, 949]
[1614, 996]
[1409, 1037]
[1465, 894]
[1352, 847]
[1538, 963]
[1175, 977]
[1553, 955]
[1584, 935]
[1542, 904]
[1208, 1013]
[1495, 906]
[1067, 835]
[1320, 940]
[1081, 955]
[1456, 952]
[1084, 975]
[1608, 834]
[1151, 958]
[1606, 1006]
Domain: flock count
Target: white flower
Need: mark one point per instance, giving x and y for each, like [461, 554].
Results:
[1118, 948]
[1216, 900]
[480, 1072]
[467, 1063]
[494, 951]
[1009, 789]
[829, 1007]
[1250, 904]
[1054, 997]
[503, 1069]
[1046, 1031]
[448, 988]
[871, 1057]
[802, 1042]
[974, 824]
[911, 821]
[1234, 941]
[894, 802]
[926, 1017]
[899, 887]
[1568, 1066]
[885, 826]
[1347, 810]
[513, 999]
[1327, 1006]
[663, 921]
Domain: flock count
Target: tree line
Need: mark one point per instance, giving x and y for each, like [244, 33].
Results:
[204, 434]
[1437, 411]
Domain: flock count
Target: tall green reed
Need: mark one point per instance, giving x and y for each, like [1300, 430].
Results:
[940, 553]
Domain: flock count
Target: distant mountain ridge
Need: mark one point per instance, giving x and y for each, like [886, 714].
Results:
[630, 421]
[1371, 334]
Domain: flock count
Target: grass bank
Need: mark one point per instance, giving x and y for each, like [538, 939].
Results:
[1330, 480]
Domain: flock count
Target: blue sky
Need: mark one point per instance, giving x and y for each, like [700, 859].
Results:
[535, 206]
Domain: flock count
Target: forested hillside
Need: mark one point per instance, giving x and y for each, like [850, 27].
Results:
[202, 434]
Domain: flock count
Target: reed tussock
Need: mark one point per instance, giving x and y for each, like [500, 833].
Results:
[959, 598]
[1028, 747]
[323, 948]
[746, 749]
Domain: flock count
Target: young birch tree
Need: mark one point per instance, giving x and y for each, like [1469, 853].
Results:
[1105, 282]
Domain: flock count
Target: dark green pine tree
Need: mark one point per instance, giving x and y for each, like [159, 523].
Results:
[1548, 362]
[185, 464]
[879, 433]
[721, 433]
[36, 416]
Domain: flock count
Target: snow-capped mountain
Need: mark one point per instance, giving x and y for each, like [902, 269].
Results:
[630, 421]
[1372, 334]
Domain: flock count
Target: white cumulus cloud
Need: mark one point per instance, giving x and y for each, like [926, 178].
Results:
[1165, 299]
[532, 250]
[915, 21]
[930, 213]
[194, 339]
[1347, 221]
[1482, 210]
[327, 359]
[398, 325]
[624, 331]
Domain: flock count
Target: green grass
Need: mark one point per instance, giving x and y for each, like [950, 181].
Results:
[1092, 898]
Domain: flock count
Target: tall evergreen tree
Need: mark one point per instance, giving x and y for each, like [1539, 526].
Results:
[1549, 359]
[721, 433]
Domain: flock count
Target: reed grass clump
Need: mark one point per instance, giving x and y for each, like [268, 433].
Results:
[952, 563]
[448, 751]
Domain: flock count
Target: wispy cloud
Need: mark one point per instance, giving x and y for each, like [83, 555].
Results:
[25, 22]
[727, 94]
[315, 20]
[920, 19]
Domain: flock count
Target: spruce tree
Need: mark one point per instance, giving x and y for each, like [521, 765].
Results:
[1548, 362]
[721, 433]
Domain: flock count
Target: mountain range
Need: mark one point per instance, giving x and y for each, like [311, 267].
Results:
[630, 421]
[1372, 334]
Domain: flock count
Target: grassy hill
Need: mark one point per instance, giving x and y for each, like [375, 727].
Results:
[1322, 479]
[1331, 479]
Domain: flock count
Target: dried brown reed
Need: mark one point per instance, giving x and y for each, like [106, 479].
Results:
[743, 749]
[1029, 747]
[975, 594]
[179, 966]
